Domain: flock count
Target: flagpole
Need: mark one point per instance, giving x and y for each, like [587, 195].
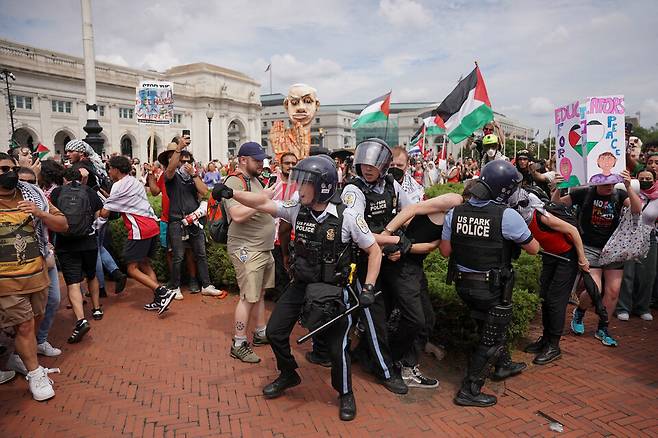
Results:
[270, 78]
[386, 129]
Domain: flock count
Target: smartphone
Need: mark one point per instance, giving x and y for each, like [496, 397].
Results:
[186, 132]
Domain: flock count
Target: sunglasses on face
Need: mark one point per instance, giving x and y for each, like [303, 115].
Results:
[30, 181]
[6, 169]
[185, 161]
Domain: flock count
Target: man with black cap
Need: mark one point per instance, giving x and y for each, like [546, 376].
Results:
[325, 234]
[184, 187]
[377, 196]
[481, 237]
[249, 245]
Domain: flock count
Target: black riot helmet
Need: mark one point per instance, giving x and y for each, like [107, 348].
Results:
[498, 180]
[318, 171]
[375, 152]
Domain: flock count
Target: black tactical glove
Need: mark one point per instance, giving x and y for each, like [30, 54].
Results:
[367, 296]
[221, 190]
[390, 249]
[404, 244]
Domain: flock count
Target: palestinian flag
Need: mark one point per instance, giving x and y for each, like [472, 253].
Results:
[432, 128]
[377, 110]
[418, 139]
[42, 151]
[466, 109]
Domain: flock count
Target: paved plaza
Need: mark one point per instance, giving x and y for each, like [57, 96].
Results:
[139, 375]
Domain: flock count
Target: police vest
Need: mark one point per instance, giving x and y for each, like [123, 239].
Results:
[319, 254]
[380, 208]
[477, 237]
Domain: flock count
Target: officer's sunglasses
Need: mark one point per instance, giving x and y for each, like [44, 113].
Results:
[6, 169]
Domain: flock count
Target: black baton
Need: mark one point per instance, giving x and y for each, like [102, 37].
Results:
[324, 326]
[550, 254]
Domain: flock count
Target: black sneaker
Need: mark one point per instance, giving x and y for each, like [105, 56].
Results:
[259, 340]
[80, 329]
[415, 379]
[313, 358]
[155, 305]
[102, 292]
[97, 314]
[164, 298]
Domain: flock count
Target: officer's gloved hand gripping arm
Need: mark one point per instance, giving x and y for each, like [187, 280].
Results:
[258, 201]
[367, 296]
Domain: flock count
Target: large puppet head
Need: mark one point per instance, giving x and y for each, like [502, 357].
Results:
[301, 103]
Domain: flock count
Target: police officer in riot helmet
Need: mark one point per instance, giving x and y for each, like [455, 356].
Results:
[376, 195]
[326, 233]
[481, 237]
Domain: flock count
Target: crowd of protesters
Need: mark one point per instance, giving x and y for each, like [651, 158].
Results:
[57, 210]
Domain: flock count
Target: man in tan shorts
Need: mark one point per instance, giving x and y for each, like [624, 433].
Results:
[24, 215]
[250, 244]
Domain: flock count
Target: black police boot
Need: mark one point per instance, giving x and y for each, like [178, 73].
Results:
[347, 407]
[284, 381]
[537, 346]
[469, 394]
[316, 359]
[395, 384]
[550, 353]
[506, 368]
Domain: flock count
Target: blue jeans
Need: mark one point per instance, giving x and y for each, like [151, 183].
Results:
[104, 260]
[51, 306]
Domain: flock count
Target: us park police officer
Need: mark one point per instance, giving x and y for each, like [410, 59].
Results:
[481, 237]
[326, 234]
[376, 195]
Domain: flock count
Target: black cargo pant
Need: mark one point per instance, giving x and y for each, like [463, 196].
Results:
[555, 284]
[335, 338]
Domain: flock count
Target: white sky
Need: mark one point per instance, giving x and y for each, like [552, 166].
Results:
[534, 55]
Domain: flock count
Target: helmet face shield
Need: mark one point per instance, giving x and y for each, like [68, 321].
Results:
[373, 153]
[303, 186]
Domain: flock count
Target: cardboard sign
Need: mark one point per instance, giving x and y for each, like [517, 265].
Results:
[605, 139]
[154, 104]
[569, 162]
[590, 141]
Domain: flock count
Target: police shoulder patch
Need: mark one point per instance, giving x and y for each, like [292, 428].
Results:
[361, 223]
[349, 199]
[289, 203]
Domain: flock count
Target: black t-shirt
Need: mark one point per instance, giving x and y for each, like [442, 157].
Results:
[92, 181]
[64, 243]
[421, 229]
[599, 215]
[183, 198]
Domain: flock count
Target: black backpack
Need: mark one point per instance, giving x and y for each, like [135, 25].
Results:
[73, 201]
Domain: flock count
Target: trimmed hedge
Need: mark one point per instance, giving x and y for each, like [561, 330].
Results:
[454, 328]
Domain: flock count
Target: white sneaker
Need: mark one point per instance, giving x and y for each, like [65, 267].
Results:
[48, 350]
[178, 295]
[6, 376]
[647, 316]
[40, 384]
[623, 316]
[15, 363]
[211, 290]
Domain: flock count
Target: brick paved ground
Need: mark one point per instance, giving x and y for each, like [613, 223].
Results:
[137, 375]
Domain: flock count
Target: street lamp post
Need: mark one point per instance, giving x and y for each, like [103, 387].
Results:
[209, 115]
[7, 74]
[92, 128]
